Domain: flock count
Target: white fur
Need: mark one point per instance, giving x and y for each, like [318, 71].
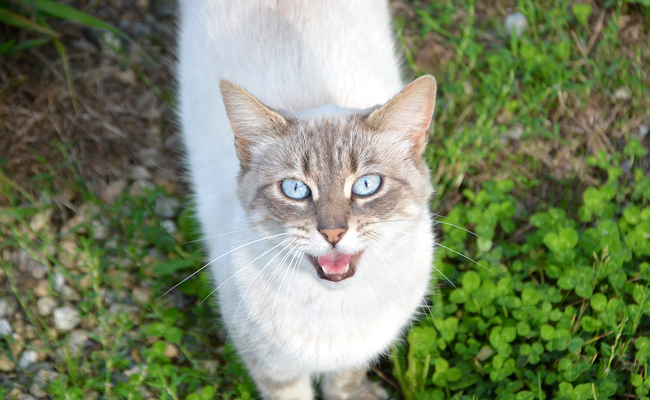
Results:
[346, 57]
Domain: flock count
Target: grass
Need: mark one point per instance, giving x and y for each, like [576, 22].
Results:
[537, 148]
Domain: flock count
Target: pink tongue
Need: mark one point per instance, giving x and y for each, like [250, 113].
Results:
[334, 262]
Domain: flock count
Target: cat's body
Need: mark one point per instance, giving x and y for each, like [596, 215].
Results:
[299, 57]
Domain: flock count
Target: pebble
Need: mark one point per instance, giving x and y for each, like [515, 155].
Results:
[166, 207]
[112, 191]
[518, 21]
[622, 94]
[27, 359]
[6, 365]
[59, 281]
[140, 188]
[169, 226]
[77, 340]
[38, 270]
[6, 308]
[42, 288]
[171, 351]
[66, 318]
[643, 131]
[143, 295]
[41, 220]
[140, 173]
[515, 132]
[5, 328]
[100, 231]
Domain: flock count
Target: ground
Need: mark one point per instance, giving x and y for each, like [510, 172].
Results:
[539, 145]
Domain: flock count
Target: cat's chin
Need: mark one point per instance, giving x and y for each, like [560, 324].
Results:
[338, 276]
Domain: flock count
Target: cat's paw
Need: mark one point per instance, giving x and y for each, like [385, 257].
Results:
[353, 386]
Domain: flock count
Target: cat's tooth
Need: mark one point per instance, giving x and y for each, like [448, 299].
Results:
[347, 268]
[324, 269]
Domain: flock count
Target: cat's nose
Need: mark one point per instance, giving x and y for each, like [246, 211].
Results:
[333, 235]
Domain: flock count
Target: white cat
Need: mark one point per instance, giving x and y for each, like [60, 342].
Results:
[313, 199]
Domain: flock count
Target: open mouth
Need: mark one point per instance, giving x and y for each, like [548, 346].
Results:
[335, 266]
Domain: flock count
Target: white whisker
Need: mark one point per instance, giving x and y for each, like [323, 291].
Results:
[241, 269]
[447, 248]
[468, 231]
[426, 304]
[293, 259]
[251, 285]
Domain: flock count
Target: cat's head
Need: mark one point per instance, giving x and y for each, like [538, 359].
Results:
[332, 180]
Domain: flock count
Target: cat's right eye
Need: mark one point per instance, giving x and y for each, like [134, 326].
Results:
[295, 190]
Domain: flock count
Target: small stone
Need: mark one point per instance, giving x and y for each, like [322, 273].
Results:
[643, 131]
[6, 365]
[38, 270]
[140, 188]
[77, 340]
[112, 191]
[66, 318]
[150, 157]
[171, 351]
[166, 207]
[622, 94]
[518, 21]
[42, 288]
[59, 281]
[140, 173]
[169, 226]
[41, 220]
[37, 391]
[515, 132]
[142, 4]
[6, 308]
[100, 231]
[5, 328]
[143, 295]
[70, 294]
[27, 359]
[27, 397]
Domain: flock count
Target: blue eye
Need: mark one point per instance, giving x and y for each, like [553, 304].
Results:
[295, 189]
[366, 185]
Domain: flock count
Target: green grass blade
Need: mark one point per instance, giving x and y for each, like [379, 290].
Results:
[60, 48]
[19, 21]
[28, 44]
[7, 46]
[61, 11]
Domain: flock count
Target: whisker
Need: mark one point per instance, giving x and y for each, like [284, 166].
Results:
[251, 285]
[269, 280]
[391, 273]
[293, 259]
[246, 266]
[432, 266]
[426, 304]
[452, 250]
[392, 220]
[223, 255]
[223, 234]
[468, 231]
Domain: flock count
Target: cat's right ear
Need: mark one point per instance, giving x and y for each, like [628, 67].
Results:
[252, 122]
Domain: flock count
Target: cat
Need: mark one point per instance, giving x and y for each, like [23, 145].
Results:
[304, 150]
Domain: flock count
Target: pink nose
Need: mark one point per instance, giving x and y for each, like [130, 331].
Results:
[332, 235]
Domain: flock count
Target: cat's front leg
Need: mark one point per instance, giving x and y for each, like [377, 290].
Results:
[352, 384]
[280, 386]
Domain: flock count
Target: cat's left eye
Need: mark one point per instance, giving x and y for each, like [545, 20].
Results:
[366, 185]
[295, 189]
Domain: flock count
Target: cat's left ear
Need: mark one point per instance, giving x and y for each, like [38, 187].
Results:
[409, 113]
[252, 122]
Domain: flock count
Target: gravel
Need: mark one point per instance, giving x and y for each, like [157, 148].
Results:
[166, 207]
[5, 328]
[518, 21]
[6, 308]
[66, 318]
[27, 359]
[45, 305]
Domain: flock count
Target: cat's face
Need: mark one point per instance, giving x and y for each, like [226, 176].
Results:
[333, 183]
